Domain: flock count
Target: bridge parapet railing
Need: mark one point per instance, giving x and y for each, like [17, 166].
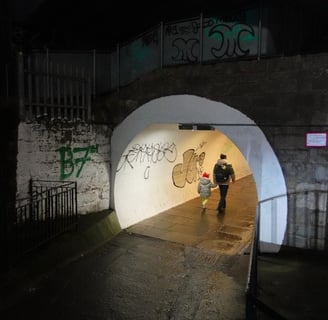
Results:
[53, 90]
[242, 34]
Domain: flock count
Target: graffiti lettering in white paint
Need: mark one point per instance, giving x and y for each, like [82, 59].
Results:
[148, 153]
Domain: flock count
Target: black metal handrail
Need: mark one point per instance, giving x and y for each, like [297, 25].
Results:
[319, 199]
[50, 211]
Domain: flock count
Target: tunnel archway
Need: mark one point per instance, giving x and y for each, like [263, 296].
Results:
[233, 127]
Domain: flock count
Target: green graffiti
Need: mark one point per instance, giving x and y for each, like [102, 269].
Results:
[70, 163]
[139, 52]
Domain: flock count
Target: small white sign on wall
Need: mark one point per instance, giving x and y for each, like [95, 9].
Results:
[316, 139]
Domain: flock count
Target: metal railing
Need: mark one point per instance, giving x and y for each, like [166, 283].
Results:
[250, 32]
[310, 205]
[50, 211]
[52, 90]
[195, 40]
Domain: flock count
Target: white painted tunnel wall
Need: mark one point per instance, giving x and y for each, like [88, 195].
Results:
[136, 198]
[161, 166]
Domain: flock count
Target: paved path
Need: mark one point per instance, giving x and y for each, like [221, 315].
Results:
[182, 264]
[190, 225]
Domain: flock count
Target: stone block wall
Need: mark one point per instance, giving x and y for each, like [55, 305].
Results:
[66, 152]
[285, 96]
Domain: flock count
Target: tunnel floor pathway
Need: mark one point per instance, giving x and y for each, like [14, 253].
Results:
[188, 224]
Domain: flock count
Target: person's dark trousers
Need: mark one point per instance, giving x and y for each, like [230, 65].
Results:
[223, 194]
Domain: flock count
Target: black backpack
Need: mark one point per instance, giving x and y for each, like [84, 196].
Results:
[222, 172]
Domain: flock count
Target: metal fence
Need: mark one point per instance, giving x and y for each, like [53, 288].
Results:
[63, 90]
[53, 91]
[50, 211]
[311, 207]
[196, 40]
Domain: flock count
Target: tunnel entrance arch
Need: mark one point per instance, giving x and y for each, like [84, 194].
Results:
[237, 127]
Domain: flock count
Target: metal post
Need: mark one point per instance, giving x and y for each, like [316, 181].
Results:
[88, 93]
[76, 211]
[47, 94]
[162, 44]
[20, 62]
[201, 38]
[94, 75]
[259, 42]
[118, 66]
[251, 290]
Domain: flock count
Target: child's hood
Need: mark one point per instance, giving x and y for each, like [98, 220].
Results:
[205, 181]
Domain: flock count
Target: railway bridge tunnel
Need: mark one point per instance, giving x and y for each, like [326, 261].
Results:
[261, 112]
[156, 164]
[261, 107]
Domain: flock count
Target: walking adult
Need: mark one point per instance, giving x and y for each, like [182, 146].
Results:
[223, 174]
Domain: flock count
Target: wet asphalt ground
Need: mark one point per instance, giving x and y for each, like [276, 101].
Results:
[185, 263]
[134, 277]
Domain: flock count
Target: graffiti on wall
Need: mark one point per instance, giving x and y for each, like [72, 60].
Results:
[221, 36]
[148, 154]
[72, 160]
[184, 41]
[222, 40]
[230, 39]
[189, 170]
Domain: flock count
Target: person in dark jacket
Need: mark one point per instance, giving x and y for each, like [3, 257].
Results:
[204, 188]
[222, 165]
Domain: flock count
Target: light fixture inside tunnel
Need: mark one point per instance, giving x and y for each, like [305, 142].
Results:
[195, 126]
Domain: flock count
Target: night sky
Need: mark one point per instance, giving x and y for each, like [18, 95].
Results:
[98, 24]
[101, 24]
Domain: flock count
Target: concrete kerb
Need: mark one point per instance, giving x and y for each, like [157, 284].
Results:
[93, 230]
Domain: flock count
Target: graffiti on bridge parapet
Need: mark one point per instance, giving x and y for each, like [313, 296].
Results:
[223, 36]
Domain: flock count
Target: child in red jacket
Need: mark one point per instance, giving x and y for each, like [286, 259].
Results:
[204, 188]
